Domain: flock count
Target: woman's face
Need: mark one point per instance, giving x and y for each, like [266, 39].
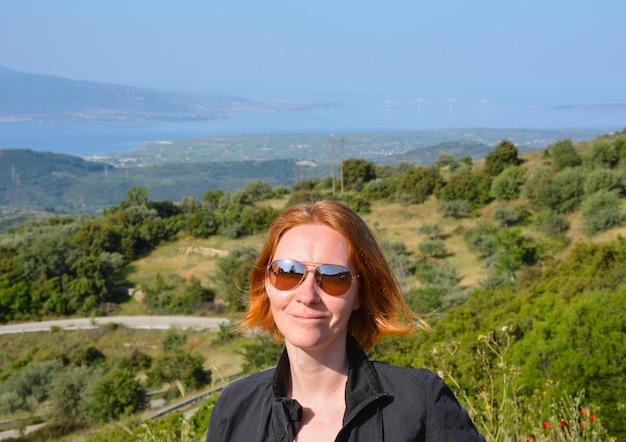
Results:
[308, 317]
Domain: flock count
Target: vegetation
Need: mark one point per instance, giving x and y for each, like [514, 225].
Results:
[525, 283]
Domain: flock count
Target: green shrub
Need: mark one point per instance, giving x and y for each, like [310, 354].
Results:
[552, 223]
[564, 155]
[601, 211]
[508, 184]
[114, 395]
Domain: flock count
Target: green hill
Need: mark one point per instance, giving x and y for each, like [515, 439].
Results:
[516, 261]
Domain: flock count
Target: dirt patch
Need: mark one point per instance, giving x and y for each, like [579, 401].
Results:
[204, 251]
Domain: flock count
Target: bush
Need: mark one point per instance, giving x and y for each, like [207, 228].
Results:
[116, 394]
[508, 184]
[552, 223]
[234, 276]
[603, 179]
[511, 217]
[433, 248]
[28, 387]
[179, 370]
[433, 231]
[561, 192]
[602, 155]
[68, 392]
[259, 353]
[454, 209]
[601, 211]
[504, 155]
[564, 155]
[467, 185]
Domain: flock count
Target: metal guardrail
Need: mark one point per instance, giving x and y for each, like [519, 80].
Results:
[197, 397]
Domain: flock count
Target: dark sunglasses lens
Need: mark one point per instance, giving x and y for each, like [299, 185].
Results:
[285, 274]
[334, 280]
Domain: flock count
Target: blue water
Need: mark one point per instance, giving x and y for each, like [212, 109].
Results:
[91, 138]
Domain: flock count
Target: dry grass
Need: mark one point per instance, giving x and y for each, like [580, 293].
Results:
[188, 257]
[121, 342]
[396, 222]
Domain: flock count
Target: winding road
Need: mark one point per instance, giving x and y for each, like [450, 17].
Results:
[144, 322]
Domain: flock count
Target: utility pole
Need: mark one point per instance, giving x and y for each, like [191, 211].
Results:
[341, 141]
[332, 155]
[332, 145]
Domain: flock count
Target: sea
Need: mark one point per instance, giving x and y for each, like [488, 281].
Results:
[85, 139]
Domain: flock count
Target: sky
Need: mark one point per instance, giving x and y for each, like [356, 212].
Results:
[530, 52]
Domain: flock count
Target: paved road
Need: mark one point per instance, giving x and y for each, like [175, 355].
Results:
[145, 322]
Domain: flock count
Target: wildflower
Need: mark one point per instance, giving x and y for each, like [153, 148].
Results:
[582, 424]
[481, 337]
[441, 374]
[505, 329]
[435, 351]
[593, 418]
[563, 423]
[585, 411]
[546, 425]
[530, 439]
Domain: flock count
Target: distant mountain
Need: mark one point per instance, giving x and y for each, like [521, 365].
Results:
[34, 97]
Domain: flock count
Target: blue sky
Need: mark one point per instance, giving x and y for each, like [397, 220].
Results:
[506, 52]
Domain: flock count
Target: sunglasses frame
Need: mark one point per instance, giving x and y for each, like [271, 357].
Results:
[311, 267]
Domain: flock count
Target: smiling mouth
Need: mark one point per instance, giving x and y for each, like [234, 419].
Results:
[309, 318]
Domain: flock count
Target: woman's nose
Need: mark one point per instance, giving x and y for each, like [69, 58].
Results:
[308, 290]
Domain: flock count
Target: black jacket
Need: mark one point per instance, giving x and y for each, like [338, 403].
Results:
[383, 403]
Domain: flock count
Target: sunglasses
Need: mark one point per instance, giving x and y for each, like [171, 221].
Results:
[286, 274]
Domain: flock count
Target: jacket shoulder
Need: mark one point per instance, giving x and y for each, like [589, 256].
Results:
[242, 408]
[431, 401]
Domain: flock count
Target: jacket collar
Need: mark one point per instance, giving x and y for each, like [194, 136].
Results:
[362, 387]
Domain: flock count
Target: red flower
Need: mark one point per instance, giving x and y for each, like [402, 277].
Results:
[546, 425]
[563, 423]
[592, 418]
[582, 424]
[585, 411]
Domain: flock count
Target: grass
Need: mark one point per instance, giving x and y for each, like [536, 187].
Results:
[117, 342]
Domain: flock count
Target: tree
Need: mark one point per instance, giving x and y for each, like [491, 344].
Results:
[179, 369]
[234, 276]
[435, 248]
[502, 156]
[356, 170]
[602, 155]
[552, 223]
[67, 393]
[601, 211]
[564, 155]
[454, 209]
[258, 190]
[419, 183]
[433, 231]
[507, 185]
[443, 160]
[136, 196]
[114, 395]
[467, 185]
[202, 223]
[561, 192]
[603, 179]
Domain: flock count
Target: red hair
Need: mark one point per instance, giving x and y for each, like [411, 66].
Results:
[383, 309]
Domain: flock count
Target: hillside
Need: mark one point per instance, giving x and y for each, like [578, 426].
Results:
[186, 168]
[34, 97]
[516, 261]
[62, 183]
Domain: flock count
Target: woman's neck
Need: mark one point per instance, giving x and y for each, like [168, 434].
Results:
[316, 373]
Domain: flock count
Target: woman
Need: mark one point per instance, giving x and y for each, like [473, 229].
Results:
[322, 285]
